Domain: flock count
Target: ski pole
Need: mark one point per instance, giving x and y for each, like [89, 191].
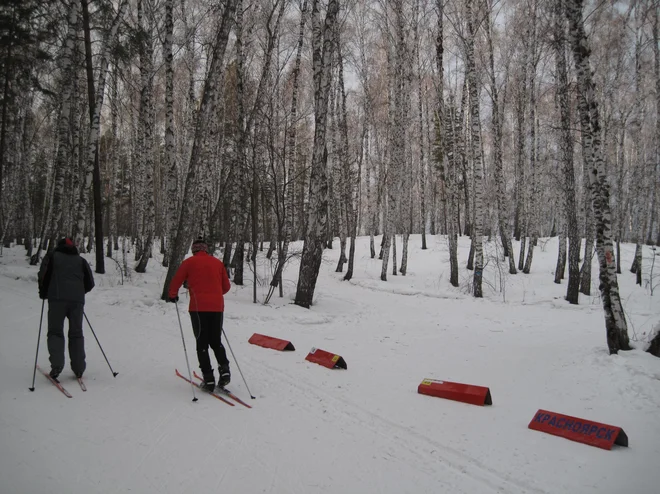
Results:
[237, 366]
[192, 386]
[41, 320]
[114, 374]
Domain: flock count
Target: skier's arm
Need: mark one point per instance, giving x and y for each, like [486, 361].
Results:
[224, 278]
[88, 277]
[44, 276]
[180, 276]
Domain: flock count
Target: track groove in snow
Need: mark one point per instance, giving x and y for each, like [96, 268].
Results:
[421, 448]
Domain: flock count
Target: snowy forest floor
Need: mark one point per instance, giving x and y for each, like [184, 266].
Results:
[313, 430]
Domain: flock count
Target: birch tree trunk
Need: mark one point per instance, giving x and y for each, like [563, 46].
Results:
[615, 322]
[338, 189]
[638, 155]
[64, 144]
[170, 215]
[560, 269]
[585, 270]
[532, 217]
[397, 145]
[394, 254]
[420, 117]
[322, 48]
[475, 129]
[113, 195]
[497, 117]
[92, 168]
[71, 203]
[445, 146]
[354, 192]
[453, 126]
[146, 123]
[656, 73]
[348, 207]
[290, 157]
[389, 181]
[407, 161]
[570, 223]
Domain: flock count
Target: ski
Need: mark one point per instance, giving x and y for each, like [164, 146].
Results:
[226, 392]
[55, 382]
[82, 384]
[202, 389]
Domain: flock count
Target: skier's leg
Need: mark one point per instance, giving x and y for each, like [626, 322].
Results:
[198, 320]
[76, 339]
[224, 374]
[56, 315]
[215, 340]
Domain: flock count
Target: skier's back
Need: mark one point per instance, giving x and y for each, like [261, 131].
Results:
[207, 282]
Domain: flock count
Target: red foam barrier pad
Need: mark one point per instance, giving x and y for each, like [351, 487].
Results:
[270, 342]
[581, 430]
[326, 359]
[466, 393]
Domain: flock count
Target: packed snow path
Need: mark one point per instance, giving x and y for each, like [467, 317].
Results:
[312, 430]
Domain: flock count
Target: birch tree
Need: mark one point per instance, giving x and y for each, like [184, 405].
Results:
[289, 152]
[96, 96]
[497, 123]
[656, 74]
[146, 123]
[475, 134]
[566, 155]
[615, 322]
[533, 197]
[170, 150]
[322, 47]
[64, 144]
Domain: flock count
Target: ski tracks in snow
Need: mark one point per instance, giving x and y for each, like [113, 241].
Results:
[422, 453]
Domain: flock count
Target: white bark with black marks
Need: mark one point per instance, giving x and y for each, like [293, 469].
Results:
[615, 322]
[146, 124]
[322, 47]
[475, 133]
[569, 222]
[170, 215]
[64, 144]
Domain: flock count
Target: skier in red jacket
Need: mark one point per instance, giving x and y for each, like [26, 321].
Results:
[207, 282]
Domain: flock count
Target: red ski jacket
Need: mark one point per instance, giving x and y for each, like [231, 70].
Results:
[207, 282]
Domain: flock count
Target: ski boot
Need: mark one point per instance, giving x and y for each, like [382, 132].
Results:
[225, 376]
[55, 372]
[209, 382]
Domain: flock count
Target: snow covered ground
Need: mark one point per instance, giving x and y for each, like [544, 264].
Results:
[363, 430]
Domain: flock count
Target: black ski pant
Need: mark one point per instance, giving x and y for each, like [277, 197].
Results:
[58, 311]
[207, 327]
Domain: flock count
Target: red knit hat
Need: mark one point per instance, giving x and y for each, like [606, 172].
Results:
[199, 245]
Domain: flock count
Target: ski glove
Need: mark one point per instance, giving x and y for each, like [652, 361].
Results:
[174, 299]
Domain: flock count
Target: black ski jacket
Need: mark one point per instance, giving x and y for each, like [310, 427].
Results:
[65, 276]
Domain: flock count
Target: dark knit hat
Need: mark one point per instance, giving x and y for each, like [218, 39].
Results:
[199, 245]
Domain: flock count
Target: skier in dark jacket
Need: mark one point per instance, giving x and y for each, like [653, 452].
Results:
[207, 282]
[64, 279]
